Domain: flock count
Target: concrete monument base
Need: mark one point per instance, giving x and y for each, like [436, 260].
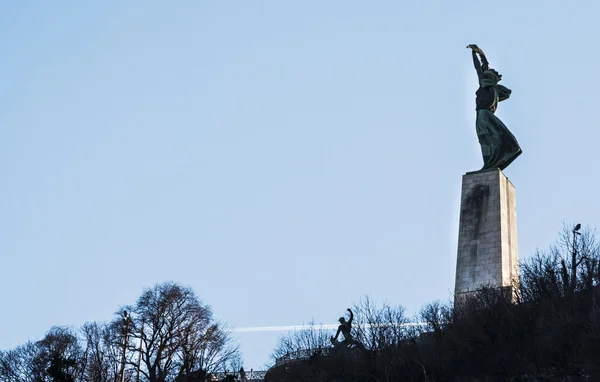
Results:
[487, 239]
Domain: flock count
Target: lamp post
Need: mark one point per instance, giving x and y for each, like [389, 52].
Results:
[126, 321]
[576, 232]
[140, 352]
[574, 258]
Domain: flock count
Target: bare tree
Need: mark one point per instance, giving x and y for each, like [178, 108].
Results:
[541, 277]
[167, 333]
[56, 358]
[378, 327]
[102, 351]
[178, 334]
[19, 364]
[302, 342]
[385, 349]
[386, 331]
[436, 316]
[571, 265]
[60, 354]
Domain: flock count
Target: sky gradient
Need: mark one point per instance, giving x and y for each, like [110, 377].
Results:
[282, 158]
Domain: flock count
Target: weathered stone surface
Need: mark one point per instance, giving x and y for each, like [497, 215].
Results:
[487, 238]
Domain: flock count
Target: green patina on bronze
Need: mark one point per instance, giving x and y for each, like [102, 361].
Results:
[498, 146]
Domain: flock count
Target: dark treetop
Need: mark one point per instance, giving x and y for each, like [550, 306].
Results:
[498, 146]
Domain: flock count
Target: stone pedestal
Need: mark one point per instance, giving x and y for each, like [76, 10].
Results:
[487, 238]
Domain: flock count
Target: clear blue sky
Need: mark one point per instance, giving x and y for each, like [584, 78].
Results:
[282, 158]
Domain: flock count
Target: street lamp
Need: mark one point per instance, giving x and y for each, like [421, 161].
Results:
[574, 258]
[126, 321]
[575, 233]
[139, 364]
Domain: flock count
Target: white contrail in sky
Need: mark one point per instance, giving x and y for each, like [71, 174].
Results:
[300, 327]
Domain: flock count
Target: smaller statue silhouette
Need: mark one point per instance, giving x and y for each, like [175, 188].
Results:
[346, 329]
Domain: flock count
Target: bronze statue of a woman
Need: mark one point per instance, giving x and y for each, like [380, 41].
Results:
[498, 146]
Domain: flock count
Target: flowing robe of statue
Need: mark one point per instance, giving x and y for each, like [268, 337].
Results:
[498, 146]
